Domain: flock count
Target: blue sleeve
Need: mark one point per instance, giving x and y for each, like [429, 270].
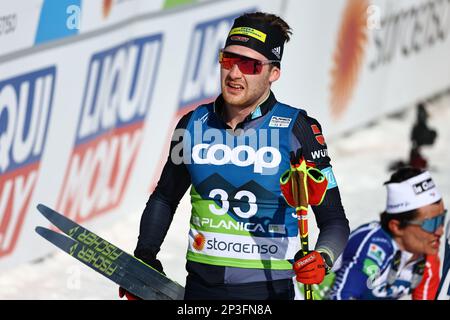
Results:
[350, 282]
[365, 256]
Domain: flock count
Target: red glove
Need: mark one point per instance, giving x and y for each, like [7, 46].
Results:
[310, 269]
[128, 295]
[315, 184]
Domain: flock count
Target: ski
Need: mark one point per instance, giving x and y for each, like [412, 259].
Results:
[102, 264]
[135, 268]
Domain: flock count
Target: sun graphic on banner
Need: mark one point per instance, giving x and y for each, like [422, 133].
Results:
[107, 6]
[348, 55]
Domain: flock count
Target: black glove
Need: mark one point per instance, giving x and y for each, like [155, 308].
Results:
[150, 259]
[155, 264]
[152, 262]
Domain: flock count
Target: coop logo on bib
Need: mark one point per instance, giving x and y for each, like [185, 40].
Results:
[242, 156]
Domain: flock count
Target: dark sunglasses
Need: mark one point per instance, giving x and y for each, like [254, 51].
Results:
[245, 64]
[431, 225]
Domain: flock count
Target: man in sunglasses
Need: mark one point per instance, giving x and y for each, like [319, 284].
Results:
[397, 256]
[243, 235]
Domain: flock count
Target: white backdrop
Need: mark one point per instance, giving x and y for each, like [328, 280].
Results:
[50, 85]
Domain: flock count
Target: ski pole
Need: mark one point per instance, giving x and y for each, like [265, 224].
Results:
[299, 192]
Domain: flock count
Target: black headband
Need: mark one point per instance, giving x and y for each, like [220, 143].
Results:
[259, 36]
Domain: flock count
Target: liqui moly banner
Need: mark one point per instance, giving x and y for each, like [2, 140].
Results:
[116, 99]
[25, 109]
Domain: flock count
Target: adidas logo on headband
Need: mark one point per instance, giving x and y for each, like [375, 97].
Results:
[277, 52]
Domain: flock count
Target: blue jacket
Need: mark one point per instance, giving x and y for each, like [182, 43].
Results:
[373, 267]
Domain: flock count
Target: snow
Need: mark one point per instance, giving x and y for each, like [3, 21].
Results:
[360, 161]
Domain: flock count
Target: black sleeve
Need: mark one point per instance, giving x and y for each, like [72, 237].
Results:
[161, 206]
[330, 214]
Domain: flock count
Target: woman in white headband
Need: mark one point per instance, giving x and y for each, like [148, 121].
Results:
[398, 255]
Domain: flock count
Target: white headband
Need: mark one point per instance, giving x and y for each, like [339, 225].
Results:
[411, 194]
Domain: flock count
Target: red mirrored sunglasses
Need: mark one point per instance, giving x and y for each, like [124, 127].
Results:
[245, 64]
